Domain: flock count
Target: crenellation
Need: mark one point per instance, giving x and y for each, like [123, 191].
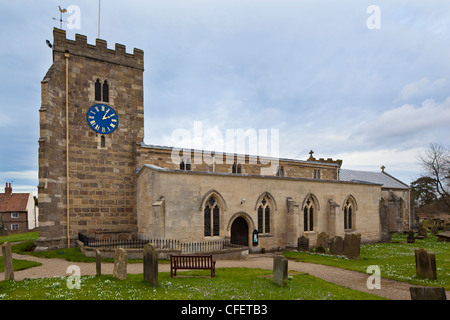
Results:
[99, 51]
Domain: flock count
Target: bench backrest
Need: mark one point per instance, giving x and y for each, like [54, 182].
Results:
[186, 261]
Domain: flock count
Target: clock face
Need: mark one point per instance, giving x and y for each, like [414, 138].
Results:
[102, 119]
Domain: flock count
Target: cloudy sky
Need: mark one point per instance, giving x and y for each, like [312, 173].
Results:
[368, 85]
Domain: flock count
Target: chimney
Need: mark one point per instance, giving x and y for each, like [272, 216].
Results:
[8, 189]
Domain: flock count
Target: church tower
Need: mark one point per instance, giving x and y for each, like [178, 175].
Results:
[91, 121]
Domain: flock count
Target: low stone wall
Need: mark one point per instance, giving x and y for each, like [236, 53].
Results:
[226, 254]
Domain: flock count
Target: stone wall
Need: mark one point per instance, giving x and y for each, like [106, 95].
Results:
[171, 202]
[202, 161]
[101, 179]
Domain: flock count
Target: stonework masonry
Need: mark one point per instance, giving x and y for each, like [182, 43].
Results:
[102, 182]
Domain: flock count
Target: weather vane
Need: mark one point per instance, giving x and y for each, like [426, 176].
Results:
[61, 11]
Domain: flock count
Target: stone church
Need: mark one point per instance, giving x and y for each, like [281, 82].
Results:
[98, 178]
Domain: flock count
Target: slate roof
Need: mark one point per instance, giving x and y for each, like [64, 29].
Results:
[16, 202]
[386, 180]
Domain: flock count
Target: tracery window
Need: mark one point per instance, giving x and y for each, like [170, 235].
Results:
[308, 216]
[214, 220]
[348, 214]
[264, 216]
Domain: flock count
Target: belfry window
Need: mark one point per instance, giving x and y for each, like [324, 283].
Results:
[308, 216]
[98, 90]
[105, 91]
[211, 205]
[264, 216]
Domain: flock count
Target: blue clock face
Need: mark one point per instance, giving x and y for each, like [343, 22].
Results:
[102, 119]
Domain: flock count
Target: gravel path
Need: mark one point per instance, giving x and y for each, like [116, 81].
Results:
[355, 280]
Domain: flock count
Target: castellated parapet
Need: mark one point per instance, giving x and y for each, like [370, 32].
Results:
[99, 51]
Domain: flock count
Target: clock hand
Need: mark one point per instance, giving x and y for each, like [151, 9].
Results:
[108, 117]
[104, 116]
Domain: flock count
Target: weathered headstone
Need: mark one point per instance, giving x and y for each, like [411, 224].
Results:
[444, 236]
[447, 226]
[422, 233]
[151, 264]
[410, 238]
[280, 270]
[352, 244]
[322, 240]
[7, 261]
[98, 263]
[435, 229]
[337, 246]
[425, 264]
[120, 264]
[427, 293]
[303, 243]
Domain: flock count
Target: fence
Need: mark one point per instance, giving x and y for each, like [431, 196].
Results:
[168, 244]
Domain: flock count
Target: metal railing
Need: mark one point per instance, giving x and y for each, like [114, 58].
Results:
[168, 244]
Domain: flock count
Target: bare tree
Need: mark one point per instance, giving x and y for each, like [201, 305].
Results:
[436, 164]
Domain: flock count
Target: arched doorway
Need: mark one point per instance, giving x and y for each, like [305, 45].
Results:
[239, 232]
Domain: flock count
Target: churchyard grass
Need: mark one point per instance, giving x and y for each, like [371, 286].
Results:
[228, 284]
[28, 237]
[396, 260]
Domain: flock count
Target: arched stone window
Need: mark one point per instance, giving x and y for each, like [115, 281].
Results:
[310, 208]
[98, 90]
[211, 221]
[349, 213]
[105, 91]
[264, 211]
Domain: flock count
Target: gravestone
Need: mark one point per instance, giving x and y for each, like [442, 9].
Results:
[444, 236]
[7, 261]
[151, 264]
[422, 233]
[410, 238]
[120, 264]
[425, 264]
[337, 246]
[280, 270]
[427, 293]
[322, 241]
[98, 263]
[303, 243]
[352, 244]
[435, 229]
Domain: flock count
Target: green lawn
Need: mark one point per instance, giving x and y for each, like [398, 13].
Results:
[228, 284]
[396, 260]
[28, 238]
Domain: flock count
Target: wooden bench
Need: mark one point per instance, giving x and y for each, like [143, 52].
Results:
[191, 262]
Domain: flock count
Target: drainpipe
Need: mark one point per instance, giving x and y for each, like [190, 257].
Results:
[66, 55]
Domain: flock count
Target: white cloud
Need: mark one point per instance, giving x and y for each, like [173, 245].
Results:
[423, 88]
[406, 123]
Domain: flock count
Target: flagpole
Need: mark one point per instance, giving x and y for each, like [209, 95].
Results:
[98, 19]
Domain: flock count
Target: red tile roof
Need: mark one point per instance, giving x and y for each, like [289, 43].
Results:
[15, 202]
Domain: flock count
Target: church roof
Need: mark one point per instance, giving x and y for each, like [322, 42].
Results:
[386, 180]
